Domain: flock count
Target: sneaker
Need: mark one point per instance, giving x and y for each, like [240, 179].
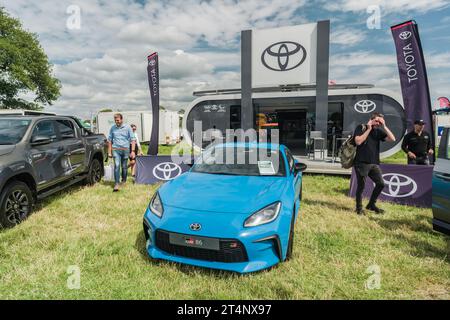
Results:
[116, 188]
[360, 211]
[374, 208]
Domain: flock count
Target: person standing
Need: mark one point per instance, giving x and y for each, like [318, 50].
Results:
[119, 140]
[367, 159]
[417, 144]
[132, 164]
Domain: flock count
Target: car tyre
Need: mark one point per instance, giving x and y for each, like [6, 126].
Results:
[16, 204]
[95, 173]
[290, 247]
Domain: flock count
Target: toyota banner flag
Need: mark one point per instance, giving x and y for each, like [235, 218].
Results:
[153, 82]
[444, 103]
[408, 185]
[154, 169]
[413, 75]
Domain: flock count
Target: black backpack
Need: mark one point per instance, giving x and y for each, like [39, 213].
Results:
[347, 151]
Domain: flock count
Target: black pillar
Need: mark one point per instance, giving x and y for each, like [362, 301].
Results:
[322, 63]
[246, 80]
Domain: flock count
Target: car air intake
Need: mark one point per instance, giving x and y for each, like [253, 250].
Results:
[230, 250]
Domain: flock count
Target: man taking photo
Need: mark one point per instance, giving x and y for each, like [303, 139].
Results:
[367, 160]
[120, 138]
[417, 144]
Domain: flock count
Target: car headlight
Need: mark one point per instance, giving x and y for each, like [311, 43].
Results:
[263, 216]
[156, 205]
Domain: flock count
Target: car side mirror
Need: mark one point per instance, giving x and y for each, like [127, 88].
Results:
[40, 139]
[300, 167]
[68, 135]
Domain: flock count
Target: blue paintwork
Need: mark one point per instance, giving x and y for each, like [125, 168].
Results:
[441, 194]
[441, 186]
[221, 204]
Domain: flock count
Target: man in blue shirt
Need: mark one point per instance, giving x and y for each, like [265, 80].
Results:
[119, 140]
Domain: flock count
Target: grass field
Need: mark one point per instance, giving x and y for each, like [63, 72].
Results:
[335, 252]
[397, 158]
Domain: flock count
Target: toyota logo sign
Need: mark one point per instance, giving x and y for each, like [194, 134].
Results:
[195, 226]
[405, 35]
[398, 185]
[166, 171]
[283, 56]
[365, 106]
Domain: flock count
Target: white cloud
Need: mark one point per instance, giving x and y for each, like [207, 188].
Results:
[362, 58]
[347, 36]
[387, 6]
[437, 60]
[104, 63]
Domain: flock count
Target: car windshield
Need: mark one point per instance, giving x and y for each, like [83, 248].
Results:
[240, 161]
[12, 130]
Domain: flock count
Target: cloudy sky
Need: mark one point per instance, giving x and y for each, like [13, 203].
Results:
[103, 62]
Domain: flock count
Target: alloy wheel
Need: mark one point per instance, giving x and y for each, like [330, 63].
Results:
[17, 206]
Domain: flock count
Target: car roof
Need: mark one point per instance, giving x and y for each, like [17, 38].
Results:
[32, 117]
[259, 145]
[18, 117]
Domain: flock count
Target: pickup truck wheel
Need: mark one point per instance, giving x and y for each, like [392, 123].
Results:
[16, 204]
[95, 172]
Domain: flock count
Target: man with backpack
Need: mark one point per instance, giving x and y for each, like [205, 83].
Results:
[367, 139]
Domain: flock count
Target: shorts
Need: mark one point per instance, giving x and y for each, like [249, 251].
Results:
[135, 152]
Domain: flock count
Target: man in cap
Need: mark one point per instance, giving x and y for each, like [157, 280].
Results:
[417, 144]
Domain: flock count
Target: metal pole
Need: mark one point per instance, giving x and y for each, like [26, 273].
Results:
[322, 63]
[246, 80]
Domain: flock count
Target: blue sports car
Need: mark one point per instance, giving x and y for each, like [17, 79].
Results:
[234, 215]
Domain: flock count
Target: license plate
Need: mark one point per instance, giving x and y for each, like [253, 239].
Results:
[194, 241]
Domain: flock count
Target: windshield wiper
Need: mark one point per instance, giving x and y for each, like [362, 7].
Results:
[223, 173]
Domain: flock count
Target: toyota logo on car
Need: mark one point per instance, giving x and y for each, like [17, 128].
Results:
[365, 106]
[166, 171]
[195, 226]
[283, 56]
[399, 185]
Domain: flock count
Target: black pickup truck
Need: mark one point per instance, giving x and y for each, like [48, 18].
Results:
[41, 155]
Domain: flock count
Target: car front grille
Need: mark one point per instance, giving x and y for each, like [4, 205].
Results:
[230, 250]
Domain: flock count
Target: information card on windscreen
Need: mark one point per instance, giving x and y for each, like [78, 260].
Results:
[266, 168]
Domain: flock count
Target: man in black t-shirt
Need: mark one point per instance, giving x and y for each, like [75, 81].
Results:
[367, 160]
[417, 144]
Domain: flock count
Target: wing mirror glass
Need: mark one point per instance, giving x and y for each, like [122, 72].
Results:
[300, 167]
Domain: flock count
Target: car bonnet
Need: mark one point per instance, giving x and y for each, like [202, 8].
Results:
[222, 193]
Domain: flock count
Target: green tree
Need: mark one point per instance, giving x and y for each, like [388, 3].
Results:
[106, 110]
[24, 68]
